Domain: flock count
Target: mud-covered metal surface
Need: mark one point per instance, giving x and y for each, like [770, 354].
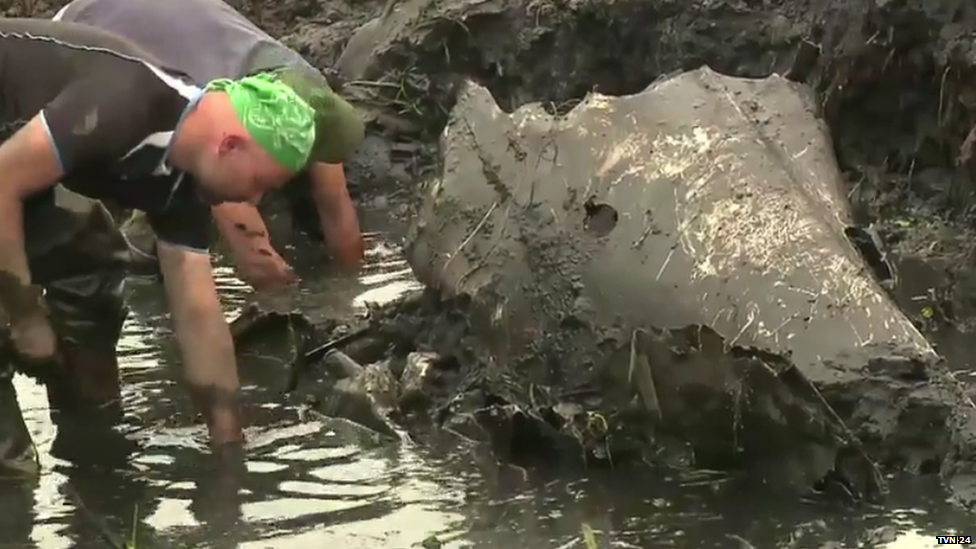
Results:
[675, 264]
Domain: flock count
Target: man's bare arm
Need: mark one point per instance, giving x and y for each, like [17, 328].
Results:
[337, 215]
[242, 227]
[258, 263]
[29, 164]
[210, 367]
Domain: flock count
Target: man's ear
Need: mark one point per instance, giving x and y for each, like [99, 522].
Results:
[230, 143]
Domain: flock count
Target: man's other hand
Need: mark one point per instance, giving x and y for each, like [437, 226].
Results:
[337, 215]
[350, 253]
[264, 269]
[34, 338]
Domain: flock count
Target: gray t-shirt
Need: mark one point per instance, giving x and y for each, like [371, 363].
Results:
[208, 39]
[214, 40]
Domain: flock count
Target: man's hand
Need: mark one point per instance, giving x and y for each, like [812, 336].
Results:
[210, 367]
[216, 501]
[349, 253]
[31, 333]
[264, 269]
[340, 224]
[29, 163]
[34, 339]
[257, 262]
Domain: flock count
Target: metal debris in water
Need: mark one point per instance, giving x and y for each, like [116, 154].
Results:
[304, 360]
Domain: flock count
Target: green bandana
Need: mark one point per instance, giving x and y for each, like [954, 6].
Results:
[338, 127]
[274, 115]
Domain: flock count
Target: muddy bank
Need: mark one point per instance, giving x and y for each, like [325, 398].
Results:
[892, 78]
[888, 80]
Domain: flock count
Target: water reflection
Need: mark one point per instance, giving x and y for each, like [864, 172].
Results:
[312, 482]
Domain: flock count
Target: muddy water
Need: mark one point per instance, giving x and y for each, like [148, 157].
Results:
[313, 482]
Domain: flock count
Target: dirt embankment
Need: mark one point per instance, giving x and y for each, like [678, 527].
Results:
[894, 78]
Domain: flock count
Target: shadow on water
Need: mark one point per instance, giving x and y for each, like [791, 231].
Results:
[917, 293]
[314, 482]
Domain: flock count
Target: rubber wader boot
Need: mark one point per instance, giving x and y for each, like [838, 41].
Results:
[86, 405]
[88, 385]
[78, 255]
[18, 456]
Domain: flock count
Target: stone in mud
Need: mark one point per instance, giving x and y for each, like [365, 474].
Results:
[357, 56]
[265, 316]
[414, 378]
[675, 264]
[365, 395]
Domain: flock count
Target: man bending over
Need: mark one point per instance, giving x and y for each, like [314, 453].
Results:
[90, 110]
[208, 39]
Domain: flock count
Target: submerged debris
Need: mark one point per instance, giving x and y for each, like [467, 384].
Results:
[367, 397]
[417, 374]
